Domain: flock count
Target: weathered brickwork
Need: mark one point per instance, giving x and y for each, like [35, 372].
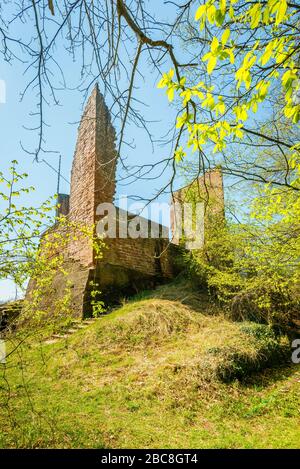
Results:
[147, 256]
[63, 205]
[93, 170]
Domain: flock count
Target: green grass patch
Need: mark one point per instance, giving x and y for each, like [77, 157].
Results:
[166, 370]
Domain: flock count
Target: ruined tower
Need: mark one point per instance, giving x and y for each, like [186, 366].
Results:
[93, 170]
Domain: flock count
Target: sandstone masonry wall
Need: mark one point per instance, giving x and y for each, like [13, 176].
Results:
[93, 171]
[151, 257]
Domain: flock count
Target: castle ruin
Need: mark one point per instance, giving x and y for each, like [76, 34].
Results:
[128, 264]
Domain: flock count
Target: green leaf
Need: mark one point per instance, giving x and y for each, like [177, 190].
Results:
[211, 13]
[200, 12]
[255, 15]
[219, 17]
[206, 56]
[225, 36]
[281, 12]
[211, 64]
[170, 94]
[267, 54]
[223, 6]
[161, 83]
[214, 44]
[171, 73]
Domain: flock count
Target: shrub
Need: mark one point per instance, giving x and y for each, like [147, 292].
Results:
[264, 301]
[267, 349]
[238, 274]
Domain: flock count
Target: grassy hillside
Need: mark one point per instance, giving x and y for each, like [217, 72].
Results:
[165, 370]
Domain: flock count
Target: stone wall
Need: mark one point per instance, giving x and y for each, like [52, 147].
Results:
[147, 256]
[129, 266]
[63, 205]
[93, 170]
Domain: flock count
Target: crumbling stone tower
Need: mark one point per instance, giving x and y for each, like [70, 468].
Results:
[93, 170]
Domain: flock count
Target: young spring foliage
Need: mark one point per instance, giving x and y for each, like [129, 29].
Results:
[50, 267]
[255, 45]
[252, 268]
[32, 246]
[20, 226]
